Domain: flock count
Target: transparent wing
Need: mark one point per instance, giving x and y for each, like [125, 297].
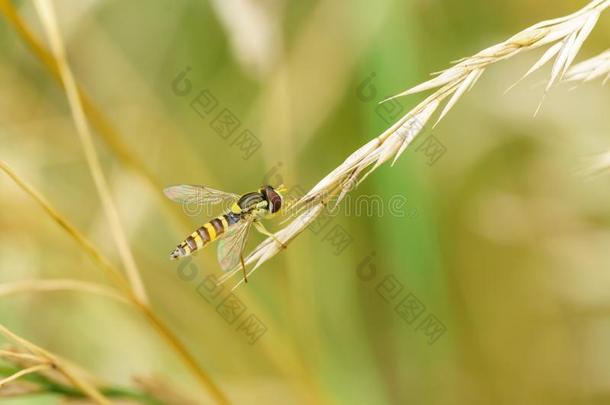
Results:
[188, 194]
[232, 244]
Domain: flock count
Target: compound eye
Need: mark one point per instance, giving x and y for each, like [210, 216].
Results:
[275, 200]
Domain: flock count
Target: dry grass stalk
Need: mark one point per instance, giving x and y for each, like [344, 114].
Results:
[590, 69]
[19, 388]
[49, 22]
[38, 360]
[112, 138]
[28, 373]
[113, 274]
[159, 388]
[97, 119]
[25, 371]
[118, 278]
[564, 36]
[17, 287]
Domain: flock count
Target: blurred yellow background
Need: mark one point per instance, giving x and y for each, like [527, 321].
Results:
[502, 242]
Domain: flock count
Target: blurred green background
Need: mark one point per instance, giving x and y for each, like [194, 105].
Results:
[504, 241]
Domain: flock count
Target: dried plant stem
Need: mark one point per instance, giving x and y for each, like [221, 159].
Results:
[17, 355]
[21, 286]
[71, 372]
[97, 119]
[564, 36]
[119, 279]
[23, 372]
[181, 350]
[113, 140]
[42, 382]
[113, 274]
[104, 128]
[49, 21]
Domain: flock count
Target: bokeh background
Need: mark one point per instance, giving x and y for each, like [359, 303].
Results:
[504, 240]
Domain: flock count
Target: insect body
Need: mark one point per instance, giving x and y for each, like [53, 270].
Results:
[204, 235]
[231, 228]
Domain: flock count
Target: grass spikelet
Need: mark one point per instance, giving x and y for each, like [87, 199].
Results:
[566, 34]
[590, 69]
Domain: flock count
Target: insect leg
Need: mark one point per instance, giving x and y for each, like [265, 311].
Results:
[261, 228]
[243, 266]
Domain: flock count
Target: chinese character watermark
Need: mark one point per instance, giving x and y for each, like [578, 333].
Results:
[228, 305]
[405, 304]
[223, 121]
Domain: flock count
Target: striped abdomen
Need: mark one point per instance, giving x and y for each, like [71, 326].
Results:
[204, 235]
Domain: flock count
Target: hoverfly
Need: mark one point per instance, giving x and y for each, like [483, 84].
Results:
[231, 228]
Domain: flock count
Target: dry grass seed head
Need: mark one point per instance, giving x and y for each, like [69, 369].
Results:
[565, 35]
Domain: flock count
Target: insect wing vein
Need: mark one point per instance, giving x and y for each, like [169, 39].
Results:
[232, 245]
[198, 195]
